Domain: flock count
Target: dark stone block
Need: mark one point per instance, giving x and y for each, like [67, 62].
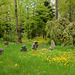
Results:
[23, 48]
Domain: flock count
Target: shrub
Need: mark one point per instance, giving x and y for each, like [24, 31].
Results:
[49, 26]
[61, 31]
[2, 27]
[69, 34]
[12, 37]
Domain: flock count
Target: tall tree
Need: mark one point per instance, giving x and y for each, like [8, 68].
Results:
[56, 9]
[17, 27]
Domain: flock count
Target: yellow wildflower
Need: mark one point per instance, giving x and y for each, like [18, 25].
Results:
[1, 62]
[16, 65]
[47, 59]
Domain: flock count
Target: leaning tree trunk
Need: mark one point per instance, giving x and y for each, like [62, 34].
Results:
[17, 28]
[56, 10]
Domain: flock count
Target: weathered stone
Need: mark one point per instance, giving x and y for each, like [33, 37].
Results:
[52, 43]
[1, 50]
[35, 45]
[35, 42]
[23, 48]
[6, 43]
[50, 48]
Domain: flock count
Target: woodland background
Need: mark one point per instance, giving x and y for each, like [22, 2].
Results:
[38, 18]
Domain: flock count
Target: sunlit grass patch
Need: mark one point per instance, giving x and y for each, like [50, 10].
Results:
[39, 39]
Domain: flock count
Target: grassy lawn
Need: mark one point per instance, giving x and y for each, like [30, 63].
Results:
[59, 61]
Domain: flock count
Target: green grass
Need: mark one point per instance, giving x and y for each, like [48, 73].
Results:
[59, 61]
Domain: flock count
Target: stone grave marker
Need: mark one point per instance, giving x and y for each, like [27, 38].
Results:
[50, 48]
[1, 50]
[52, 43]
[23, 48]
[6, 43]
[35, 45]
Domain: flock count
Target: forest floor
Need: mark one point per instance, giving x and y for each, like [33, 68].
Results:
[59, 61]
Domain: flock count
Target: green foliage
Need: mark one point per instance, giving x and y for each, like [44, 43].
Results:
[36, 19]
[10, 33]
[32, 18]
[69, 34]
[10, 37]
[61, 31]
[49, 27]
[1, 30]
[65, 8]
[49, 41]
[30, 28]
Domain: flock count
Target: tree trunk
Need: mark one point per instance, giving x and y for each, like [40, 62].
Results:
[28, 35]
[43, 34]
[56, 10]
[17, 28]
[39, 34]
